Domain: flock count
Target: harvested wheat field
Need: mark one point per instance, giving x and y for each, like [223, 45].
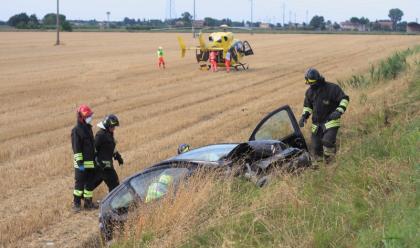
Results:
[41, 85]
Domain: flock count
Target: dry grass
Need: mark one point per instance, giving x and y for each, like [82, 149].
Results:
[218, 212]
[40, 86]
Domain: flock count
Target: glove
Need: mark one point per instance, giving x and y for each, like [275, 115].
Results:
[81, 168]
[302, 121]
[117, 156]
[335, 115]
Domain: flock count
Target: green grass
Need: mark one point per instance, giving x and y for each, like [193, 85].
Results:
[387, 69]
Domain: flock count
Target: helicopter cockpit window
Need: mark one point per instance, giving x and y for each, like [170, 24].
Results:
[239, 46]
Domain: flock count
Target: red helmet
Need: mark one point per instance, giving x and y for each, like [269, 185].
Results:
[84, 112]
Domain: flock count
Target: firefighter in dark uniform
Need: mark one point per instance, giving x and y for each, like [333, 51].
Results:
[105, 153]
[326, 102]
[84, 151]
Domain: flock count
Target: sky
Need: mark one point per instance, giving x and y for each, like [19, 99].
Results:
[238, 10]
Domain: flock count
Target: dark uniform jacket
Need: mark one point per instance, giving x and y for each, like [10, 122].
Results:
[105, 146]
[323, 99]
[83, 145]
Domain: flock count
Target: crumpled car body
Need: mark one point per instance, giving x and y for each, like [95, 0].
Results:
[276, 142]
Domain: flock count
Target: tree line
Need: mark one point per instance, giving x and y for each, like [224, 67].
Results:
[23, 21]
[395, 15]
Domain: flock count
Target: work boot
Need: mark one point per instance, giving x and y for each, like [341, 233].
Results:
[89, 204]
[77, 204]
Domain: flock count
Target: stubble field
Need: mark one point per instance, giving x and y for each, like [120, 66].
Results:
[41, 85]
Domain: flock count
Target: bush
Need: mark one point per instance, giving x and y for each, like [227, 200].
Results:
[66, 26]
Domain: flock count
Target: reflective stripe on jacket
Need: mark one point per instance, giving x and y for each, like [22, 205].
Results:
[323, 99]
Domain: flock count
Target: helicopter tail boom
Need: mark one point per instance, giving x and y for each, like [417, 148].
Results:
[182, 46]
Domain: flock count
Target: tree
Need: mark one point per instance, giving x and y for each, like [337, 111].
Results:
[20, 20]
[186, 17]
[66, 26]
[317, 23]
[51, 19]
[355, 20]
[336, 26]
[396, 16]
[33, 21]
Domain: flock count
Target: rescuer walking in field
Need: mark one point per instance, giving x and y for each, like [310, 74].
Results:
[326, 102]
[213, 60]
[84, 151]
[161, 61]
[105, 153]
[227, 61]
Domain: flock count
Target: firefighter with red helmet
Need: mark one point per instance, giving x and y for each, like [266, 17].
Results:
[105, 145]
[326, 102]
[84, 151]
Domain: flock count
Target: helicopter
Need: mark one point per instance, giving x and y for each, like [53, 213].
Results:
[221, 42]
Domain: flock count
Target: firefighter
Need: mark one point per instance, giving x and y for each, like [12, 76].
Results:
[84, 151]
[159, 188]
[326, 102]
[105, 153]
[161, 61]
[183, 148]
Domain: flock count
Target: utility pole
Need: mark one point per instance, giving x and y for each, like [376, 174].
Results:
[107, 16]
[193, 23]
[170, 10]
[57, 43]
[290, 17]
[284, 12]
[252, 16]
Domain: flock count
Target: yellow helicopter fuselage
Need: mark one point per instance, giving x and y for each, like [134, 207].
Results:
[222, 42]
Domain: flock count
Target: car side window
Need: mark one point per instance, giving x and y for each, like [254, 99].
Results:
[122, 199]
[276, 127]
[142, 183]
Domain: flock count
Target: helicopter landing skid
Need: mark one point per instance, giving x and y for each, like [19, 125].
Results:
[244, 66]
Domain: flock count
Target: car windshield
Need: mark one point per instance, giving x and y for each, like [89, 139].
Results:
[210, 153]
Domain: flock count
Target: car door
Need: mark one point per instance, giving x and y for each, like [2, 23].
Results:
[280, 125]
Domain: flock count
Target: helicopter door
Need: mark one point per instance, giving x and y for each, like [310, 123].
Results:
[247, 49]
[280, 125]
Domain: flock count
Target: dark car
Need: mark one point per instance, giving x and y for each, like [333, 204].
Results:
[276, 142]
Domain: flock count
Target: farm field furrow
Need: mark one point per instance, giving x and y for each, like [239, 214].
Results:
[41, 85]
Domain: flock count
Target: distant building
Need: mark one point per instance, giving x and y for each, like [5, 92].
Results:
[198, 23]
[413, 27]
[385, 24]
[265, 25]
[350, 26]
[179, 24]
